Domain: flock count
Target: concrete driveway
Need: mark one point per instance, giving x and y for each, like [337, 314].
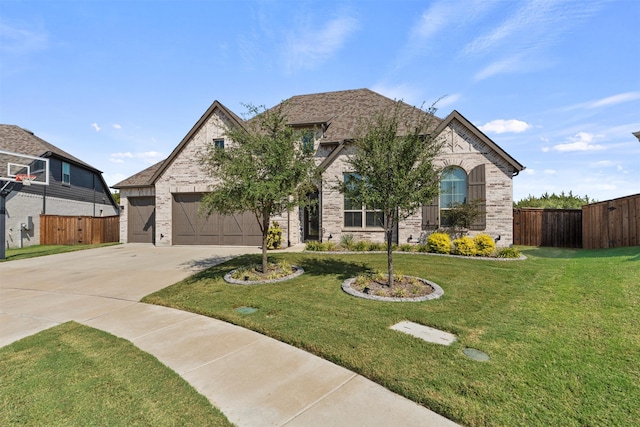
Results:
[253, 379]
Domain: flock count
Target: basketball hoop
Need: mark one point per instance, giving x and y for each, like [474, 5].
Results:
[24, 178]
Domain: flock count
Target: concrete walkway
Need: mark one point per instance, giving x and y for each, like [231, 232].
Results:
[253, 379]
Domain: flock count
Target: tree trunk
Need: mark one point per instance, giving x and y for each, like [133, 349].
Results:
[389, 235]
[265, 231]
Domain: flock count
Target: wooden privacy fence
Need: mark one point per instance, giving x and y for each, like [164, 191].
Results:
[78, 230]
[547, 227]
[611, 224]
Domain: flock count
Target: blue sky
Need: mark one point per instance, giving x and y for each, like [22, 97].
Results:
[119, 83]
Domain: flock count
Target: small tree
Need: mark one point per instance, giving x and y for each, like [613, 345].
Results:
[394, 166]
[462, 215]
[263, 170]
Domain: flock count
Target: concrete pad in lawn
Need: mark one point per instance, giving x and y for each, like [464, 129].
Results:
[136, 320]
[189, 344]
[361, 402]
[266, 383]
[14, 327]
[425, 333]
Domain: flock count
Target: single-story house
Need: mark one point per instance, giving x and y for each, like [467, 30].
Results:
[161, 203]
[75, 189]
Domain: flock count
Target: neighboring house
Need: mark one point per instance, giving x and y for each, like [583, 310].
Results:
[161, 203]
[75, 188]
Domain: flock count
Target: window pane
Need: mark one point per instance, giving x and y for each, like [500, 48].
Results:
[353, 219]
[218, 143]
[375, 219]
[453, 187]
[351, 205]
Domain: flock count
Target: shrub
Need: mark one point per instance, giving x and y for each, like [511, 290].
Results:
[406, 247]
[347, 241]
[330, 246]
[315, 246]
[509, 253]
[439, 243]
[274, 236]
[422, 248]
[361, 246]
[485, 246]
[464, 246]
[377, 246]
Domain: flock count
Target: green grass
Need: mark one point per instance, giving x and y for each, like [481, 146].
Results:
[42, 250]
[562, 329]
[75, 375]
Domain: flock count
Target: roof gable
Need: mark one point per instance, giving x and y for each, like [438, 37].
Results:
[235, 120]
[455, 115]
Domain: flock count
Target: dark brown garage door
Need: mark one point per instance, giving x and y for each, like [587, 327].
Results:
[190, 228]
[141, 220]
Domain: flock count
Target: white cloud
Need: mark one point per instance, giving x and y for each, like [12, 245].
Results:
[309, 47]
[550, 171]
[530, 171]
[117, 126]
[602, 164]
[505, 126]
[434, 19]
[582, 141]
[96, 127]
[615, 99]
[545, 149]
[507, 65]
[22, 40]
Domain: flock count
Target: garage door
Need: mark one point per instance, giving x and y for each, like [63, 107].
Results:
[141, 218]
[190, 228]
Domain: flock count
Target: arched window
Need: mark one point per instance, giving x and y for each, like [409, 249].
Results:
[453, 191]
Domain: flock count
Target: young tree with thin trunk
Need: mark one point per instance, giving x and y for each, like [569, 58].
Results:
[263, 169]
[393, 166]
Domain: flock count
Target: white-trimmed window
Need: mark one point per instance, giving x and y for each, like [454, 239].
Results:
[453, 191]
[66, 173]
[355, 212]
[218, 143]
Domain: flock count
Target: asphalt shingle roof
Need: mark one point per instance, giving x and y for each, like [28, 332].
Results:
[21, 141]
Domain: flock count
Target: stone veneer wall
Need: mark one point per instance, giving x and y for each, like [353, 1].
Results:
[186, 175]
[462, 148]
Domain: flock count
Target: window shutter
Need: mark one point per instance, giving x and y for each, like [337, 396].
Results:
[476, 191]
[430, 220]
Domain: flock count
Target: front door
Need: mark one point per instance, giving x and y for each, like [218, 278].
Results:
[312, 217]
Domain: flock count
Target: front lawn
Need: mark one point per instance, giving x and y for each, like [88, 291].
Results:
[562, 329]
[73, 375]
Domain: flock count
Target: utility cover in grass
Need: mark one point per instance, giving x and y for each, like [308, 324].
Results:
[475, 354]
[246, 310]
[425, 333]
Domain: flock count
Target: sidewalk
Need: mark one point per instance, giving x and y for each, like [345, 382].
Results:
[253, 379]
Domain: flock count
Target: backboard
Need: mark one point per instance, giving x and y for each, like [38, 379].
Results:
[16, 167]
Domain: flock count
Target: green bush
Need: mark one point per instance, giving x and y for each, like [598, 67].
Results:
[347, 241]
[406, 247]
[439, 243]
[509, 253]
[464, 246]
[315, 246]
[330, 246]
[274, 236]
[422, 248]
[377, 246]
[485, 246]
[361, 246]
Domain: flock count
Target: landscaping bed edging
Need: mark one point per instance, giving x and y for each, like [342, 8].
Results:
[437, 292]
[227, 278]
